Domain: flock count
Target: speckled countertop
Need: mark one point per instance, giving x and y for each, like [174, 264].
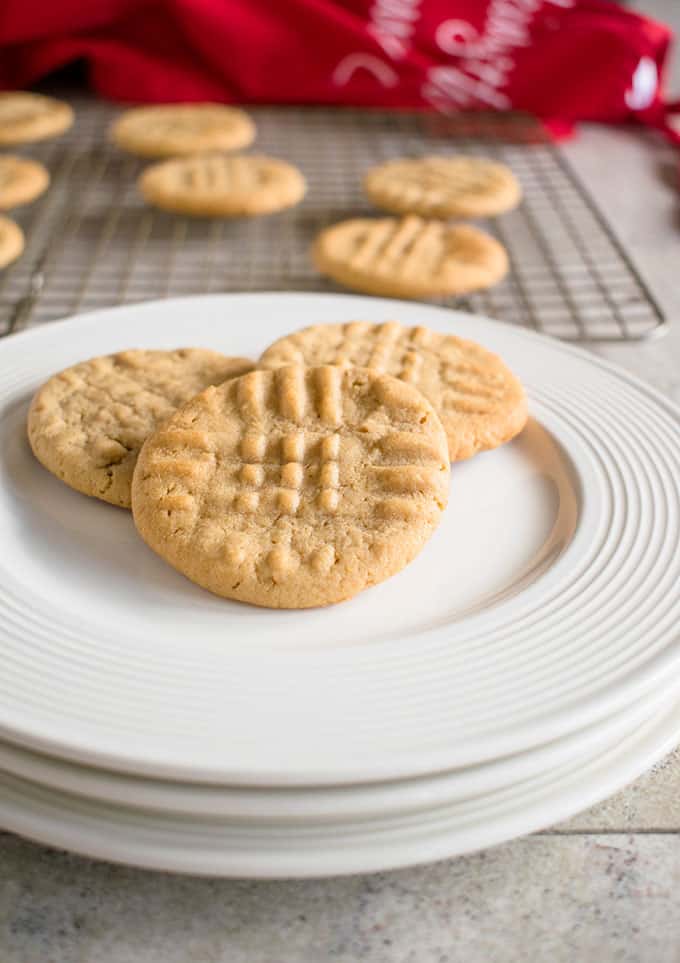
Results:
[605, 886]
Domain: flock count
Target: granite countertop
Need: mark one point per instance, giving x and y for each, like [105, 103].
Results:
[605, 885]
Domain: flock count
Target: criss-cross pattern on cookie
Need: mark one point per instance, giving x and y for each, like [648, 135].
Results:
[294, 452]
[404, 247]
[409, 255]
[214, 184]
[479, 400]
[286, 469]
[220, 174]
[168, 130]
[290, 447]
[418, 355]
[87, 423]
[443, 186]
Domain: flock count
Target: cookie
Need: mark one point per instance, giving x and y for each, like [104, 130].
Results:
[480, 402]
[25, 117]
[11, 241]
[409, 257]
[21, 180]
[218, 185]
[443, 187]
[169, 130]
[87, 424]
[294, 488]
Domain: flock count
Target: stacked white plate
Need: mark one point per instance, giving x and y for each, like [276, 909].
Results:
[524, 666]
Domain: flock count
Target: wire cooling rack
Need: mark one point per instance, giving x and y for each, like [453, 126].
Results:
[92, 242]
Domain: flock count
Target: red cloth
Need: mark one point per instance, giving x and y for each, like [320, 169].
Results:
[560, 59]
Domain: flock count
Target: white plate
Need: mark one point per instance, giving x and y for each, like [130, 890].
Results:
[548, 599]
[330, 803]
[222, 848]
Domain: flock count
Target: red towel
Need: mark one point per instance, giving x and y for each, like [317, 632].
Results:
[560, 59]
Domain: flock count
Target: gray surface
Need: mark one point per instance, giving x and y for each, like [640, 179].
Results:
[605, 886]
[538, 900]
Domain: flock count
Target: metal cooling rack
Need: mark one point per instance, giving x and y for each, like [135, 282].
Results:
[91, 241]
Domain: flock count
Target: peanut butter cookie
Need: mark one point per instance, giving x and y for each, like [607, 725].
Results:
[25, 117]
[219, 185]
[480, 402]
[294, 488]
[443, 187]
[409, 257]
[169, 130]
[21, 180]
[87, 423]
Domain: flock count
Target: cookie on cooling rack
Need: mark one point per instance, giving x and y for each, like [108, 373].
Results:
[170, 130]
[219, 185]
[409, 257]
[443, 187]
[87, 424]
[11, 241]
[480, 402]
[294, 488]
[21, 180]
[25, 117]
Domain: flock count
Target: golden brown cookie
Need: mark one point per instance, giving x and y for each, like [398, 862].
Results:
[87, 423]
[25, 117]
[219, 185]
[11, 241]
[443, 187]
[480, 402]
[294, 488]
[21, 180]
[409, 257]
[170, 130]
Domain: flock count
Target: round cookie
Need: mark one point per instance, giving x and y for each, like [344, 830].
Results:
[11, 241]
[480, 402]
[219, 185]
[25, 117]
[87, 424]
[443, 187]
[409, 257]
[169, 130]
[21, 180]
[294, 488]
